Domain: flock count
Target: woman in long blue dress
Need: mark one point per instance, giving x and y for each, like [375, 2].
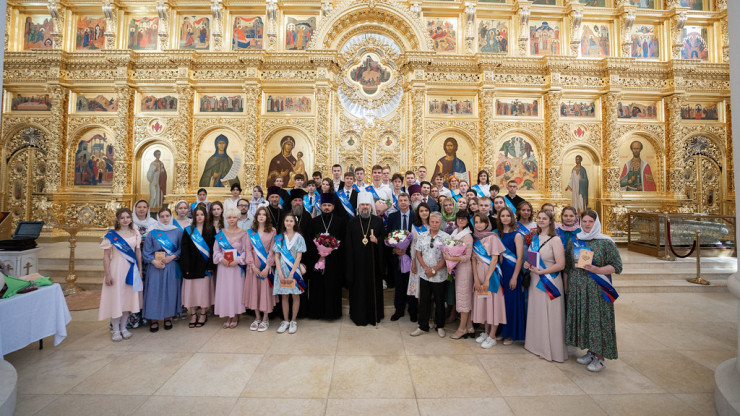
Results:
[514, 329]
[162, 284]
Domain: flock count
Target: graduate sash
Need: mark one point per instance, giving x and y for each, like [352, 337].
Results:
[395, 201]
[307, 203]
[455, 196]
[371, 189]
[509, 204]
[477, 190]
[344, 199]
[522, 229]
[286, 257]
[495, 282]
[259, 248]
[133, 277]
[605, 282]
[224, 243]
[177, 224]
[564, 237]
[356, 188]
[547, 281]
[200, 244]
[163, 241]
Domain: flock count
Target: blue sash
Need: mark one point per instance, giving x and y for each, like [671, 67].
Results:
[371, 189]
[344, 199]
[177, 224]
[193, 205]
[224, 243]
[605, 282]
[522, 229]
[200, 244]
[495, 282]
[395, 201]
[455, 196]
[164, 241]
[286, 257]
[565, 237]
[547, 281]
[477, 190]
[307, 203]
[510, 204]
[254, 237]
[356, 188]
[133, 277]
[421, 229]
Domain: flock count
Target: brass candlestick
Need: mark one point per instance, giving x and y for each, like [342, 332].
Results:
[72, 228]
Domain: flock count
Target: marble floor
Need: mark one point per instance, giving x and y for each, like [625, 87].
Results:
[669, 346]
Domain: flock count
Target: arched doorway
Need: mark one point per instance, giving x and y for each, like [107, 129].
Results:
[703, 175]
[26, 173]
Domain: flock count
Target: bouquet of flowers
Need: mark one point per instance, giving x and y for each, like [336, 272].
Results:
[381, 206]
[401, 239]
[325, 244]
[454, 248]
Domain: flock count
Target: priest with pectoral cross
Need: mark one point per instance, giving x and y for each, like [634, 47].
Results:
[364, 263]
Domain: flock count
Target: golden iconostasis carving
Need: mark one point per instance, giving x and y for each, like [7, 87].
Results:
[596, 103]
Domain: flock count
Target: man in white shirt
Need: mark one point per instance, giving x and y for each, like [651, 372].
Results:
[396, 190]
[377, 189]
[360, 177]
[386, 176]
[245, 219]
[439, 183]
[336, 177]
[421, 174]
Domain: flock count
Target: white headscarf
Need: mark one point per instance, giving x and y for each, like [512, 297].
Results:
[366, 198]
[163, 227]
[594, 234]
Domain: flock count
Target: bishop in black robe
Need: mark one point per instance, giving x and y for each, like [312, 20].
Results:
[326, 287]
[364, 264]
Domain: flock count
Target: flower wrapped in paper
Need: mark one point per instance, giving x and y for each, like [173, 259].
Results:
[401, 239]
[325, 244]
[381, 206]
[454, 248]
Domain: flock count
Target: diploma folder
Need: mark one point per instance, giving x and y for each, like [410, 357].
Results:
[24, 237]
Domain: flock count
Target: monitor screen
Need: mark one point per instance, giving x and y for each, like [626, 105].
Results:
[28, 229]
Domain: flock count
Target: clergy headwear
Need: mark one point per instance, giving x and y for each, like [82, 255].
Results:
[327, 198]
[297, 193]
[273, 190]
[365, 198]
[414, 189]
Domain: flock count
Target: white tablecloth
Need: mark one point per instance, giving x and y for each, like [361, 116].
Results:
[29, 317]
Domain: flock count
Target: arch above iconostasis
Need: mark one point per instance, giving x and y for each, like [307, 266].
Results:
[286, 152]
[451, 151]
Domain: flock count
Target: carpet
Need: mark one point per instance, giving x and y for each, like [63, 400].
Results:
[80, 301]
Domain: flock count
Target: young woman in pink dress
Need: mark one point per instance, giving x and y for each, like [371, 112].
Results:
[489, 310]
[117, 298]
[230, 283]
[545, 334]
[260, 260]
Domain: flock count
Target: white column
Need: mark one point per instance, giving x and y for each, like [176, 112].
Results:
[727, 374]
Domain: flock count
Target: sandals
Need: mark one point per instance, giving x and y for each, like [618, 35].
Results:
[234, 323]
[255, 325]
[154, 326]
[459, 334]
[194, 320]
[167, 324]
[199, 323]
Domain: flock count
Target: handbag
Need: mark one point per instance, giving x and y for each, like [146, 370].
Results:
[527, 277]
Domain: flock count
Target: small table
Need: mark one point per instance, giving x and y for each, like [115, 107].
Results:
[33, 316]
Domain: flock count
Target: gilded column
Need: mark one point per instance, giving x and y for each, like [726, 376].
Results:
[110, 12]
[523, 10]
[217, 9]
[252, 138]
[56, 12]
[55, 142]
[730, 159]
[725, 30]
[553, 144]
[486, 140]
[124, 151]
[674, 163]
[182, 137]
[610, 145]
[417, 130]
[678, 21]
[323, 103]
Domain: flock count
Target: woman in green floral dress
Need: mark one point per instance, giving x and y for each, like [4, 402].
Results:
[589, 322]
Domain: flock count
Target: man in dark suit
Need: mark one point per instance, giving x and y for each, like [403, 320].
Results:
[402, 219]
[336, 177]
[426, 187]
[347, 193]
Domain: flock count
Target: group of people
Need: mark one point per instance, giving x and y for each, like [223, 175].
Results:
[518, 276]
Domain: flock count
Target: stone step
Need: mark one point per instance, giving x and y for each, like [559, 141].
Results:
[668, 286]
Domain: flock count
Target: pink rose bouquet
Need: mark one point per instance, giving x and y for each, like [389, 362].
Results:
[454, 248]
[325, 244]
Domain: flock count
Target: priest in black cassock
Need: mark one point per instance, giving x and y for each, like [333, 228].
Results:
[326, 287]
[303, 219]
[273, 208]
[364, 263]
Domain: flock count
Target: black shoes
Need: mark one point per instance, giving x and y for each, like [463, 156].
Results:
[396, 316]
[414, 318]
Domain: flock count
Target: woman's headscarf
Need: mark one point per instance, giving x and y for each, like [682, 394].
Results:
[594, 234]
[163, 227]
[450, 217]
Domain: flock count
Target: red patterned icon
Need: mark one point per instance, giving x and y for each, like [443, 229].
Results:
[156, 127]
[579, 132]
